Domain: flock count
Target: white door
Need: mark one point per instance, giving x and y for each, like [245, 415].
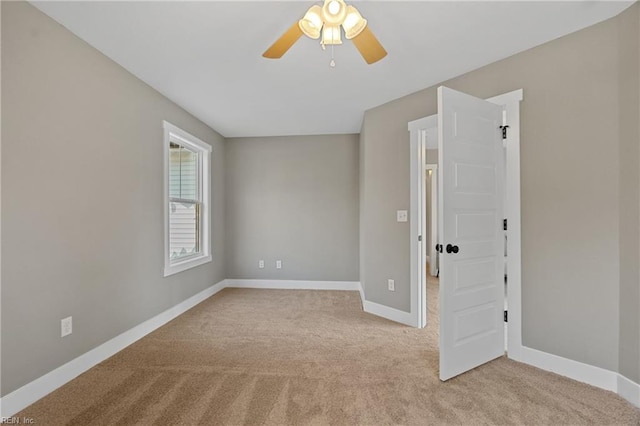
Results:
[470, 232]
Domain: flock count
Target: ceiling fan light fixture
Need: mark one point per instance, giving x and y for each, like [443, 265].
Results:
[334, 12]
[353, 23]
[311, 23]
[331, 34]
[327, 23]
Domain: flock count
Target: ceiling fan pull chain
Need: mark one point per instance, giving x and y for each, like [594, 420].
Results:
[332, 64]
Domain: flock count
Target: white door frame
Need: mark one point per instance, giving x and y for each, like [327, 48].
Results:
[417, 156]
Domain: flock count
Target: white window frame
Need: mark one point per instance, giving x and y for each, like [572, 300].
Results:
[176, 135]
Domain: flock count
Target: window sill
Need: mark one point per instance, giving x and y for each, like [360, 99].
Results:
[174, 268]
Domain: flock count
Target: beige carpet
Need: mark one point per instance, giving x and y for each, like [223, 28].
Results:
[281, 357]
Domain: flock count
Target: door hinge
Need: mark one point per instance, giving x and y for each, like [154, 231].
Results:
[506, 316]
[504, 131]
[504, 224]
[419, 237]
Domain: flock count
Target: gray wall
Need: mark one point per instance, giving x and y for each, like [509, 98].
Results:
[629, 55]
[82, 200]
[571, 192]
[294, 199]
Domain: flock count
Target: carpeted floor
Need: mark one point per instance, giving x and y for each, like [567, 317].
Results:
[281, 357]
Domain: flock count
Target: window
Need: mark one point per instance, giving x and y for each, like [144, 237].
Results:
[186, 200]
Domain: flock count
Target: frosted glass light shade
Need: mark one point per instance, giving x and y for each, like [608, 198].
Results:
[353, 23]
[311, 23]
[331, 34]
[334, 12]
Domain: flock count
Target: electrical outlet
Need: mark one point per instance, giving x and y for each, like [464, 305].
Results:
[66, 326]
[392, 285]
[278, 264]
[261, 264]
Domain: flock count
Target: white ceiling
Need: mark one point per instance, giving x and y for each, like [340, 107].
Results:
[206, 56]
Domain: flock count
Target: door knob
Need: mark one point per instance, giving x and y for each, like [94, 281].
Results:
[452, 249]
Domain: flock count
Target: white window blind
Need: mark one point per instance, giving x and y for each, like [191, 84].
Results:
[184, 203]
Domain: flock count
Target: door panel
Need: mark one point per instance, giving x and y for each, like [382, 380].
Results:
[471, 212]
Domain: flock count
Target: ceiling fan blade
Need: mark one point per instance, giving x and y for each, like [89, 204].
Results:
[369, 46]
[284, 43]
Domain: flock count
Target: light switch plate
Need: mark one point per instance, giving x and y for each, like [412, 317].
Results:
[401, 215]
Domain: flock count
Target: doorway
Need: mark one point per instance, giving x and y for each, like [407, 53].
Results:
[430, 210]
[423, 138]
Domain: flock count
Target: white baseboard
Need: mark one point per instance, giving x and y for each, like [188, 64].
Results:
[389, 313]
[585, 373]
[361, 290]
[294, 284]
[33, 391]
[576, 370]
[629, 390]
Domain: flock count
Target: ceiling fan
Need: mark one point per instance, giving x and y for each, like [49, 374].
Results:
[325, 21]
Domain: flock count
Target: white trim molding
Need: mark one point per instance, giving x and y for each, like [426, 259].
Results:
[629, 390]
[585, 373]
[511, 103]
[294, 284]
[418, 140]
[42, 386]
[362, 299]
[406, 318]
[576, 370]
